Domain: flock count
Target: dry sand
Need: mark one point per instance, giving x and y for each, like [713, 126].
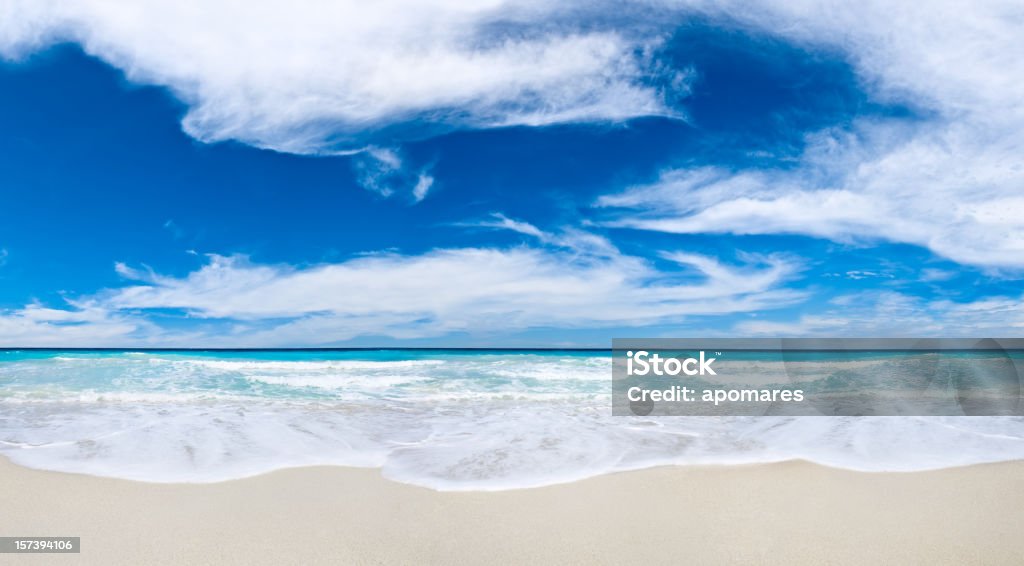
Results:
[788, 513]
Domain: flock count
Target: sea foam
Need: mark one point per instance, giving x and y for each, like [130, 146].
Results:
[449, 421]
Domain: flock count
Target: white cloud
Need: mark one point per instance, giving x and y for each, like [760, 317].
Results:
[424, 183]
[309, 76]
[312, 76]
[306, 77]
[461, 290]
[35, 325]
[582, 281]
[502, 222]
[893, 314]
[578, 281]
[933, 275]
[385, 172]
[376, 170]
[933, 196]
[950, 181]
[481, 291]
[569, 238]
[859, 274]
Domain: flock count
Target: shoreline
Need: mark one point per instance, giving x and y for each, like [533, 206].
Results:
[7, 462]
[783, 513]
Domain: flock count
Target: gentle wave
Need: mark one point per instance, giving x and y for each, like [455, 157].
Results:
[264, 365]
[452, 422]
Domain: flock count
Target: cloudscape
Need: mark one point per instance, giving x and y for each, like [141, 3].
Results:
[507, 173]
[512, 281]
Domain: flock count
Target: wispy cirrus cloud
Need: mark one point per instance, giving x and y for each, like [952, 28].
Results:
[960, 200]
[319, 77]
[424, 182]
[465, 289]
[891, 313]
[498, 221]
[231, 301]
[316, 76]
[947, 179]
[574, 280]
[312, 76]
[384, 171]
[37, 325]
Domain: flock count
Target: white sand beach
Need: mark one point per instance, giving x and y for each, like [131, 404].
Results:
[786, 513]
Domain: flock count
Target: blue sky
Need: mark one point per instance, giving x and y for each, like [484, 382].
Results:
[517, 175]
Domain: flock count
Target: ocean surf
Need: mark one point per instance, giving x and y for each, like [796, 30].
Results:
[448, 420]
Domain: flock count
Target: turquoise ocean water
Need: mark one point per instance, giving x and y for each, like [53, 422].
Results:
[446, 419]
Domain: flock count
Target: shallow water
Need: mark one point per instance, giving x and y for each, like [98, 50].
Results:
[451, 420]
